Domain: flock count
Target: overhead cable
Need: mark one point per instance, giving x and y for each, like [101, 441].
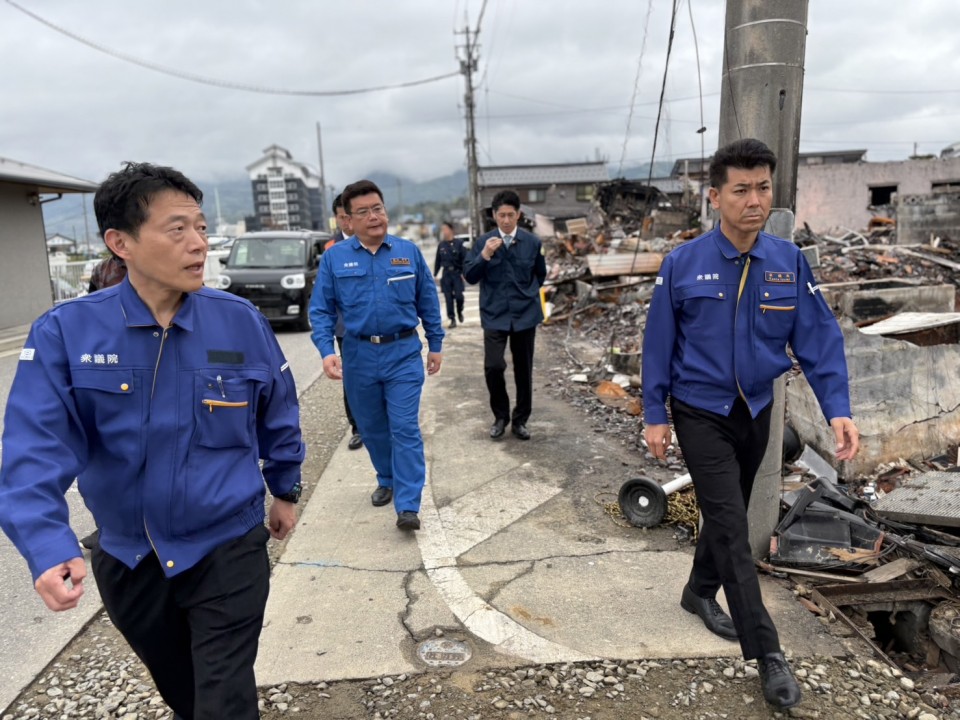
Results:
[223, 83]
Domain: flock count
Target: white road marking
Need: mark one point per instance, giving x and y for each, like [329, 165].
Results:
[440, 548]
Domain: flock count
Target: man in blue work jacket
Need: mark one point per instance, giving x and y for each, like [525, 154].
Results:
[383, 288]
[161, 397]
[508, 263]
[724, 307]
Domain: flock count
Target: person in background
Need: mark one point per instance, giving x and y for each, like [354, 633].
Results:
[107, 273]
[161, 397]
[344, 231]
[508, 263]
[450, 257]
[382, 288]
[725, 306]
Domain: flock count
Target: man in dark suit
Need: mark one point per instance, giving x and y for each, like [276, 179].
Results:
[450, 257]
[508, 263]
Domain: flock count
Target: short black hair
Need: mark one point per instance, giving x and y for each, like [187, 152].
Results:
[505, 197]
[745, 154]
[337, 203]
[449, 225]
[359, 189]
[122, 199]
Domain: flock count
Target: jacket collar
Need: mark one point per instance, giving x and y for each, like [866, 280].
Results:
[357, 245]
[137, 314]
[759, 249]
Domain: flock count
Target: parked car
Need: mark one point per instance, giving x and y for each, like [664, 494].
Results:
[276, 271]
[466, 239]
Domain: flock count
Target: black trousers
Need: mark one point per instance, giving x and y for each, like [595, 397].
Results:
[494, 365]
[197, 632]
[723, 455]
[346, 403]
[451, 284]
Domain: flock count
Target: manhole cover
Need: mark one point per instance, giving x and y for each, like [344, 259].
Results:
[440, 651]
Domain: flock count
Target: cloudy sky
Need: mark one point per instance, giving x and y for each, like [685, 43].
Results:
[555, 82]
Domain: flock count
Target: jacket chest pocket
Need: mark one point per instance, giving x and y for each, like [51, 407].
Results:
[402, 285]
[111, 399]
[225, 409]
[706, 308]
[776, 311]
[353, 286]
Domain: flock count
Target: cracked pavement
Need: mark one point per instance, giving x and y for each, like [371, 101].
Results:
[516, 557]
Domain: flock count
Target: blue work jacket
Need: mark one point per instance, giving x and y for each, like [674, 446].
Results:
[380, 293]
[163, 428]
[714, 332]
[509, 282]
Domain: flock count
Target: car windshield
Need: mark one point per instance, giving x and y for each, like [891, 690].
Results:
[268, 253]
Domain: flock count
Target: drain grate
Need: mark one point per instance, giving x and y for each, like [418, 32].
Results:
[444, 652]
[929, 499]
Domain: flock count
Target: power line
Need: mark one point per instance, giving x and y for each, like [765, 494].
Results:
[675, 5]
[702, 130]
[636, 84]
[222, 83]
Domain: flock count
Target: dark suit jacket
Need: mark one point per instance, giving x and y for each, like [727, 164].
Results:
[509, 282]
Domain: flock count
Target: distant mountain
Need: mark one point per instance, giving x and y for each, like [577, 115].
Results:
[236, 198]
[398, 190]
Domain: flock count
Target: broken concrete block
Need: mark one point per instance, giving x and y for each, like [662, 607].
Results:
[905, 400]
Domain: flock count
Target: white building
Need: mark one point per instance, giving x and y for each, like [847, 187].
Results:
[286, 193]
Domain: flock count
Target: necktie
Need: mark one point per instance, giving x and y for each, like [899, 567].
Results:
[507, 239]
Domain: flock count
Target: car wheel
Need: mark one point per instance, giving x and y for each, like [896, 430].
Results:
[303, 322]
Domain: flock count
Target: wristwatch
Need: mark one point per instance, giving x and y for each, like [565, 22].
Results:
[293, 496]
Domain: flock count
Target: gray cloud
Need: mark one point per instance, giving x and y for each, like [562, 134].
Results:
[557, 80]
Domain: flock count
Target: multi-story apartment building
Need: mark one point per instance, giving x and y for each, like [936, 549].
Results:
[286, 193]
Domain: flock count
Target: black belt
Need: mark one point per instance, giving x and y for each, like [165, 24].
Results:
[384, 339]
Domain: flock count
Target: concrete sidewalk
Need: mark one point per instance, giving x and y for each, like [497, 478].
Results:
[515, 558]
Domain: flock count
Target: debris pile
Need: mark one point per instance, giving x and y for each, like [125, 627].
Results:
[878, 554]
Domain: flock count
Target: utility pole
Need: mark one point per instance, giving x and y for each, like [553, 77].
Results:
[468, 63]
[86, 226]
[323, 183]
[760, 97]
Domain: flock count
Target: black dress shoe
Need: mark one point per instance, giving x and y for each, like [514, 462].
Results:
[92, 540]
[521, 432]
[381, 496]
[408, 520]
[460, 315]
[779, 686]
[497, 429]
[709, 610]
[355, 442]
[453, 323]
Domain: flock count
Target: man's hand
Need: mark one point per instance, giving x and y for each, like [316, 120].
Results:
[434, 360]
[491, 246]
[848, 438]
[332, 367]
[52, 585]
[283, 518]
[658, 440]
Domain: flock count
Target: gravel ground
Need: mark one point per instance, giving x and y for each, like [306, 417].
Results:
[97, 676]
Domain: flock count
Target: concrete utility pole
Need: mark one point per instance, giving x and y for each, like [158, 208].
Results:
[323, 184]
[468, 63]
[763, 59]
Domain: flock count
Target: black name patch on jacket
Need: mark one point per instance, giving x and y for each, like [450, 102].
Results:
[224, 357]
[399, 261]
[780, 277]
